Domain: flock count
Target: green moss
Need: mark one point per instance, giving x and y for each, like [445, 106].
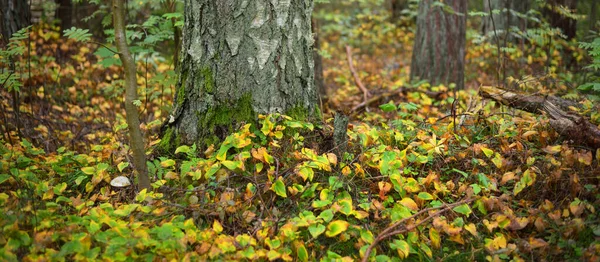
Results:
[165, 145]
[181, 95]
[208, 80]
[224, 119]
[298, 113]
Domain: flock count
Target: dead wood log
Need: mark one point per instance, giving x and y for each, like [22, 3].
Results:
[565, 121]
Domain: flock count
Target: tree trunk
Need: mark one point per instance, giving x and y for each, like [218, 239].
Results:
[592, 19]
[567, 25]
[439, 48]
[64, 13]
[240, 59]
[505, 19]
[397, 7]
[14, 15]
[136, 141]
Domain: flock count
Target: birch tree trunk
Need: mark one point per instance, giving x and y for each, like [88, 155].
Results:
[439, 47]
[241, 58]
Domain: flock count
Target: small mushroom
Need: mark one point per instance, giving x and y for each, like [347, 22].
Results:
[120, 181]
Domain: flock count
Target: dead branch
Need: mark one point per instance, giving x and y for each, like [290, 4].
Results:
[359, 83]
[392, 231]
[565, 121]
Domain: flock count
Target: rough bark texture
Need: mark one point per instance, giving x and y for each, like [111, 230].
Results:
[567, 25]
[439, 48]
[505, 19]
[136, 141]
[14, 15]
[241, 58]
[568, 124]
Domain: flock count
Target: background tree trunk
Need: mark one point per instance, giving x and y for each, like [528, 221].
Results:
[505, 19]
[14, 15]
[557, 20]
[397, 7]
[439, 47]
[240, 59]
[64, 13]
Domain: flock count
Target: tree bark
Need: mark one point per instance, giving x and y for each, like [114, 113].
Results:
[240, 59]
[136, 141]
[14, 15]
[439, 47]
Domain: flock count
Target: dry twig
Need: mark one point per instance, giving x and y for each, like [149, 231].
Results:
[359, 83]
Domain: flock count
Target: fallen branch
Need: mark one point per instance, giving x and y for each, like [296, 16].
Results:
[359, 83]
[562, 119]
[392, 231]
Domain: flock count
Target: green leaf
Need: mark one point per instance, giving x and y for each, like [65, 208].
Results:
[389, 107]
[279, 188]
[3, 178]
[401, 247]
[476, 189]
[336, 227]
[463, 209]
[213, 169]
[425, 196]
[527, 179]
[78, 34]
[316, 230]
[232, 165]
[182, 149]
[122, 166]
[326, 215]
[302, 252]
[89, 170]
[367, 236]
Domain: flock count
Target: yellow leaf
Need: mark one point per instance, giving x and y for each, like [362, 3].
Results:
[336, 227]
[409, 203]
[217, 227]
[488, 152]
[529, 133]
[472, 229]
[167, 163]
[508, 176]
[434, 236]
[552, 149]
[332, 158]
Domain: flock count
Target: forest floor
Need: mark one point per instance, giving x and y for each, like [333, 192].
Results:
[430, 173]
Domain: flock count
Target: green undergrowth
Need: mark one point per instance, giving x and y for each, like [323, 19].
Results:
[275, 190]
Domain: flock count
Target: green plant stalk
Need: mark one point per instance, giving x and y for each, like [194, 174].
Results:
[136, 141]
